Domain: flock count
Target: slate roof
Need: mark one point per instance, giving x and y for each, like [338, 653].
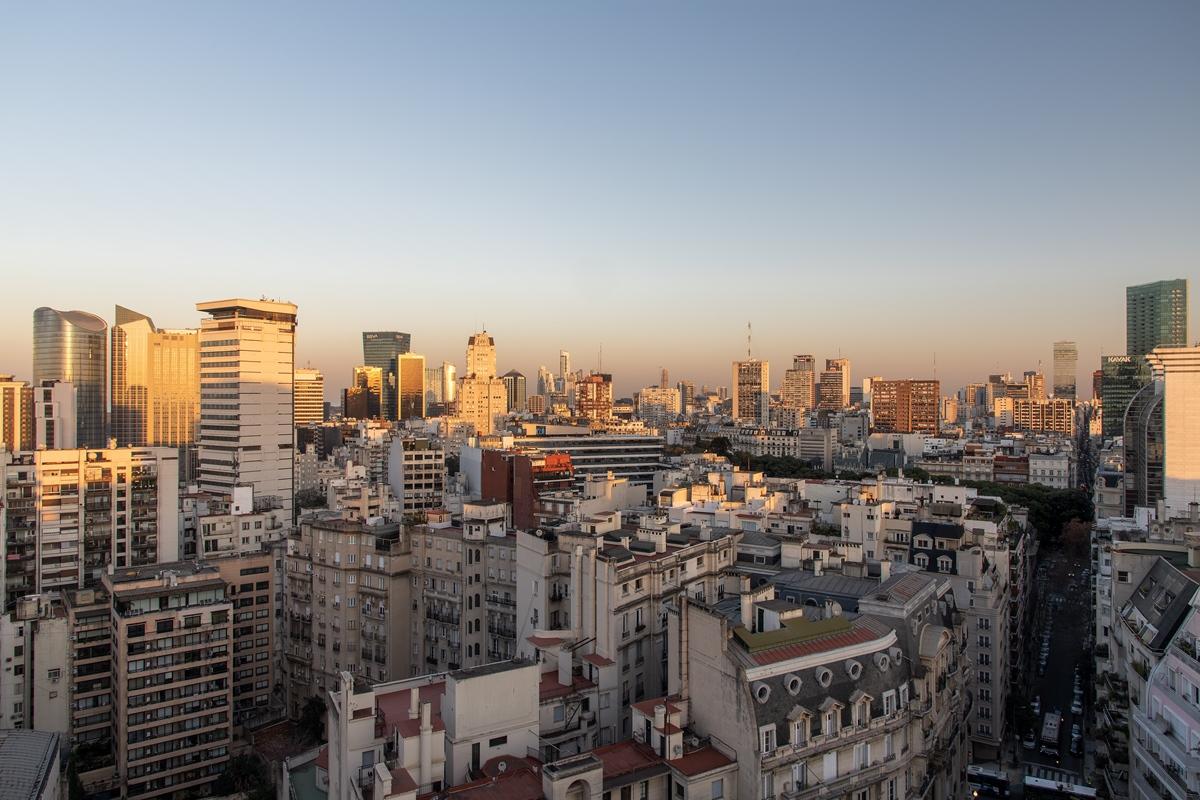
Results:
[27, 757]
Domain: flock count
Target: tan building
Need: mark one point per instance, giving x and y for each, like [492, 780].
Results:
[172, 657]
[482, 395]
[835, 384]
[799, 390]
[1056, 415]
[310, 397]
[417, 474]
[906, 406]
[594, 397]
[155, 383]
[252, 588]
[70, 514]
[410, 385]
[16, 414]
[347, 603]
[751, 391]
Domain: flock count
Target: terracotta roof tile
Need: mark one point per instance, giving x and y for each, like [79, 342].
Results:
[701, 761]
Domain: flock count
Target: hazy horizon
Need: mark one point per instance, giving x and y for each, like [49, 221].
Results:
[887, 182]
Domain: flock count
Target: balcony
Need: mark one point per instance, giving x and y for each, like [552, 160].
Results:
[843, 784]
[848, 735]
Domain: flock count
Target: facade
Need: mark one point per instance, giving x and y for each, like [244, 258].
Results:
[309, 388]
[16, 414]
[1156, 315]
[482, 396]
[751, 392]
[658, 406]
[71, 514]
[380, 349]
[633, 456]
[800, 384]
[441, 387]
[247, 362]
[1144, 453]
[594, 397]
[54, 423]
[155, 383]
[1121, 378]
[1066, 358]
[32, 767]
[410, 386]
[1055, 415]
[417, 474]
[365, 397]
[835, 384]
[72, 346]
[514, 385]
[906, 406]
[342, 579]
[1179, 368]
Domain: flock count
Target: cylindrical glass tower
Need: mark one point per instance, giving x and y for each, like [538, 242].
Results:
[73, 346]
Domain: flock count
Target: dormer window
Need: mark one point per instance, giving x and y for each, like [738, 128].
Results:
[766, 739]
[800, 731]
[833, 721]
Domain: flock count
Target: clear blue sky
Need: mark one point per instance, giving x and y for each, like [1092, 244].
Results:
[887, 180]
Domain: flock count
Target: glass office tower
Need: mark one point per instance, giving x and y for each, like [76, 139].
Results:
[380, 349]
[1156, 316]
[73, 346]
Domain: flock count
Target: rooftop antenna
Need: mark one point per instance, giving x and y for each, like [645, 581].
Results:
[749, 337]
[601, 364]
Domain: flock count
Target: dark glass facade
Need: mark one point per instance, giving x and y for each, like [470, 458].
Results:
[380, 349]
[73, 346]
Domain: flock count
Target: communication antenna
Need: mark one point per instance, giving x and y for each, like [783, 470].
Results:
[601, 359]
[749, 337]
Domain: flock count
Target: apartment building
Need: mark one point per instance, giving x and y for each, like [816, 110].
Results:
[70, 514]
[637, 457]
[417, 474]
[607, 585]
[16, 414]
[33, 646]
[906, 406]
[1056, 415]
[342, 579]
[751, 391]
[252, 585]
[821, 705]
[172, 628]
[309, 387]
[464, 587]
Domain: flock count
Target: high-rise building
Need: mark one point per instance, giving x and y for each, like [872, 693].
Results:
[74, 513]
[410, 386]
[155, 383]
[16, 414]
[247, 363]
[905, 406]
[1156, 315]
[1121, 378]
[664, 379]
[441, 388]
[835, 384]
[73, 346]
[658, 406]
[564, 365]
[309, 387]
[482, 395]
[380, 349]
[1053, 415]
[545, 381]
[751, 391]
[54, 422]
[594, 397]
[514, 385]
[1144, 448]
[1066, 355]
[867, 393]
[687, 396]
[1179, 370]
[799, 390]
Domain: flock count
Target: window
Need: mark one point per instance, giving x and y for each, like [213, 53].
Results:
[1122, 576]
[718, 789]
[498, 741]
[889, 702]
[862, 755]
[766, 738]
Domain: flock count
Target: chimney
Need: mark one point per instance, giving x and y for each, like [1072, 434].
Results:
[683, 646]
[564, 666]
[414, 703]
[748, 611]
[885, 570]
[817, 568]
[426, 744]
[660, 541]
[660, 717]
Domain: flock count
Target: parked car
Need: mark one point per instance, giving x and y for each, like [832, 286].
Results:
[1028, 741]
[1077, 707]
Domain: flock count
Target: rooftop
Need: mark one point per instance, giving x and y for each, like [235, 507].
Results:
[27, 757]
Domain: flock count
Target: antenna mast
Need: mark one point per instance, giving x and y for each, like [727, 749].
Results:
[749, 337]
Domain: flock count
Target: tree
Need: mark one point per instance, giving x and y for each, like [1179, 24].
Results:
[312, 720]
[309, 498]
[244, 773]
[1075, 537]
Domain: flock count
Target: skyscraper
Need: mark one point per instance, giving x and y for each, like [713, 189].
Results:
[835, 384]
[482, 395]
[1066, 355]
[751, 391]
[16, 414]
[247, 364]
[514, 385]
[155, 383]
[1156, 315]
[380, 349]
[1121, 378]
[1144, 446]
[309, 386]
[72, 346]
[594, 396]
[799, 390]
[1178, 369]
[410, 386]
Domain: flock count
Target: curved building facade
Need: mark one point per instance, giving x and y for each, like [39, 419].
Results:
[72, 346]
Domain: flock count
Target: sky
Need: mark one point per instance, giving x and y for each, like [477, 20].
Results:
[903, 184]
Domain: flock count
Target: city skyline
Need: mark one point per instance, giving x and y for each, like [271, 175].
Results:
[534, 171]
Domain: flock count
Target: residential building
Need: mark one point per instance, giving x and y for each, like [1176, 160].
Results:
[594, 397]
[482, 396]
[800, 384]
[905, 406]
[16, 414]
[34, 645]
[1055, 415]
[520, 478]
[247, 362]
[1066, 358]
[70, 515]
[514, 386]
[658, 406]
[172, 629]
[342, 578]
[637, 457]
[417, 474]
[1056, 470]
[380, 349]
[817, 704]
[252, 587]
[1156, 315]
[751, 392]
[410, 386]
[835, 385]
[55, 426]
[72, 346]
[155, 383]
[310, 396]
